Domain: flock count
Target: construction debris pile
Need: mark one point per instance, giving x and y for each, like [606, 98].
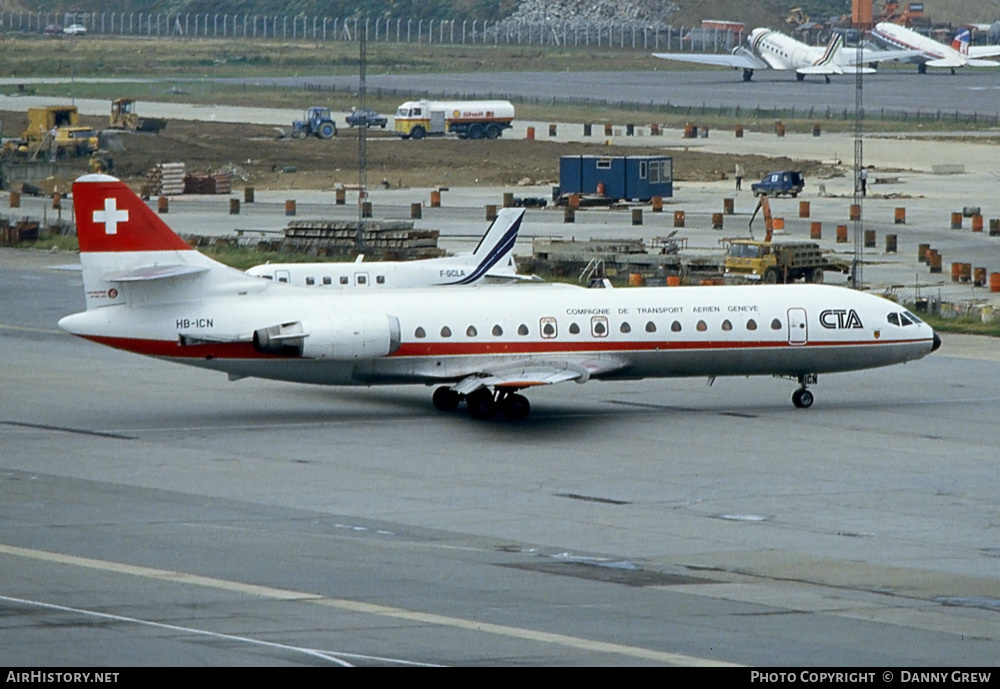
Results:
[594, 10]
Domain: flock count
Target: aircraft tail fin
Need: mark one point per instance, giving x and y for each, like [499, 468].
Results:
[497, 244]
[833, 55]
[962, 40]
[127, 250]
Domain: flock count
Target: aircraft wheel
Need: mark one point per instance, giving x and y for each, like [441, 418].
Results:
[481, 404]
[516, 406]
[446, 399]
[802, 398]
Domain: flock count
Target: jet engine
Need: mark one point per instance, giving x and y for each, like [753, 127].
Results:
[341, 338]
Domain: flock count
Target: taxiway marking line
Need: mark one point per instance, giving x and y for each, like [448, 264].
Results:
[273, 593]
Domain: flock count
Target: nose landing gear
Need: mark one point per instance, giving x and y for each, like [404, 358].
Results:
[802, 398]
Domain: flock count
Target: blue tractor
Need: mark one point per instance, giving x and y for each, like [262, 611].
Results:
[317, 122]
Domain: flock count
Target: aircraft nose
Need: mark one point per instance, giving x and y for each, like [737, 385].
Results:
[937, 343]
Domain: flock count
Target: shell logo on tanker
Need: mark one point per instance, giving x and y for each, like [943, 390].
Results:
[457, 114]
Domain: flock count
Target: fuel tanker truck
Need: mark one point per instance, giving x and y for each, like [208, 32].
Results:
[468, 119]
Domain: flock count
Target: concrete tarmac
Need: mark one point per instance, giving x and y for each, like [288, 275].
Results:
[155, 514]
[160, 515]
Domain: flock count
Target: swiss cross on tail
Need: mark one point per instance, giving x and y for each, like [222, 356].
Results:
[110, 217]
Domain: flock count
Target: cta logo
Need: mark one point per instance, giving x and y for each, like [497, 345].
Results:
[840, 319]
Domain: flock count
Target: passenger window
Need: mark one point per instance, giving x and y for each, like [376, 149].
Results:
[362, 280]
[775, 324]
[650, 327]
[419, 333]
[446, 331]
[676, 326]
[471, 331]
[751, 324]
[548, 327]
[625, 328]
[343, 279]
[726, 325]
[599, 326]
[310, 281]
[522, 329]
[327, 280]
[380, 279]
[574, 329]
[497, 331]
[702, 326]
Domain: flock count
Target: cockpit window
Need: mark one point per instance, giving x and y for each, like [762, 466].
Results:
[912, 317]
[903, 320]
[893, 318]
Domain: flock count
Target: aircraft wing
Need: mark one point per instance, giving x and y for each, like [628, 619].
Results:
[738, 59]
[532, 373]
[869, 56]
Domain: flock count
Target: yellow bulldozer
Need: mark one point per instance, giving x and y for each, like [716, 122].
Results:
[124, 116]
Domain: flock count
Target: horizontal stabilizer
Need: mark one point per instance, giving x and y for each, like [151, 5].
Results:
[947, 62]
[982, 63]
[146, 273]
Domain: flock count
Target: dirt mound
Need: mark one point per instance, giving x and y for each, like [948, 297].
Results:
[255, 156]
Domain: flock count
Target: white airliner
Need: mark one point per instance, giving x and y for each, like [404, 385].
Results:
[773, 50]
[492, 261]
[931, 53]
[150, 293]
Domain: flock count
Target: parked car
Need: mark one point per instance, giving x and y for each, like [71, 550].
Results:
[369, 117]
[75, 30]
[53, 30]
[789, 182]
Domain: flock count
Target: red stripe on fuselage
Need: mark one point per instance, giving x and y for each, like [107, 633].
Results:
[244, 350]
[173, 349]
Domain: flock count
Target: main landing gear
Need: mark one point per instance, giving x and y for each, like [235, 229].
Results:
[802, 398]
[484, 402]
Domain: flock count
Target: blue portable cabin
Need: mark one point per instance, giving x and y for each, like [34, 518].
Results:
[634, 178]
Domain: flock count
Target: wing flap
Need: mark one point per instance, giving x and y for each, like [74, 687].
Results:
[528, 373]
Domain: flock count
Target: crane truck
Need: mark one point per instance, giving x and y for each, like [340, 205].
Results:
[749, 260]
[468, 119]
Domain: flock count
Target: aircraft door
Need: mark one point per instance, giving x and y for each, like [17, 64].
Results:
[361, 279]
[798, 331]
[282, 276]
